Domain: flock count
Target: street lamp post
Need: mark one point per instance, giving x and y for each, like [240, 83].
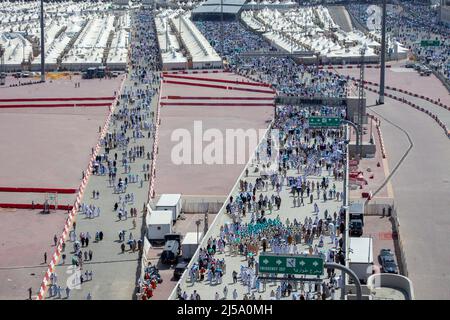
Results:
[383, 54]
[42, 43]
[198, 225]
[221, 28]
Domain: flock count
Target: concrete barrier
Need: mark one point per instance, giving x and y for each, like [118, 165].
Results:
[256, 84]
[55, 105]
[216, 104]
[38, 190]
[389, 280]
[205, 85]
[57, 99]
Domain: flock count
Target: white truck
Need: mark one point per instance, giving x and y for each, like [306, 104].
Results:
[159, 223]
[170, 202]
[190, 244]
[361, 257]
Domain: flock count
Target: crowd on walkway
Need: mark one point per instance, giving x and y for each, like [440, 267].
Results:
[411, 23]
[126, 143]
[283, 73]
[310, 165]
[145, 62]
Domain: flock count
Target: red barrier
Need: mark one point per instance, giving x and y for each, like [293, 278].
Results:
[38, 190]
[215, 98]
[213, 104]
[195, 71]
[56, 105]
[58, 99]
[258, 84]
[217, 86]
[35, 206]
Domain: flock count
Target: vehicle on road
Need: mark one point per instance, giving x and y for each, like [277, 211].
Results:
[387, 261]
[356, 228]
[417, 66]
[425, 71]
[179, 269]
[172, 249]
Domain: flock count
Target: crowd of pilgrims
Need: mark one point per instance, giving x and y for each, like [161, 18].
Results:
[409, 23]
[255, 224]
[283, 73]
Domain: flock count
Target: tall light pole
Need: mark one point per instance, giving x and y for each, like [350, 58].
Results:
[221, 28]
[42, 43]
[383, 54]
[345, 206]
[198, 225]
[361, 100]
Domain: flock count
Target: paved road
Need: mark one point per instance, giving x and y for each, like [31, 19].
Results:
[422, 188]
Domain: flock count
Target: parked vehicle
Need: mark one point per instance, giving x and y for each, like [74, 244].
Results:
[387, 261]
[172, 249]
[94, 73]
[179, 269]
[356, 228]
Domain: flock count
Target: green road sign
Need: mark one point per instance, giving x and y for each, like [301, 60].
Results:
[290, 264]
[317, 122]
[430, 43]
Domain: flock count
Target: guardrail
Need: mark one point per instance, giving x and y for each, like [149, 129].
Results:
[407, 102]
[401, 251]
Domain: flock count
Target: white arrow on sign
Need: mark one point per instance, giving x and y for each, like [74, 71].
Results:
[315, 264]
[302, 263]
[265, 261]
[278, 262]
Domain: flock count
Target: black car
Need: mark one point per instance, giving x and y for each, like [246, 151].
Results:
[171, 252]
[356, 228]
[387, 260]
[179, 269]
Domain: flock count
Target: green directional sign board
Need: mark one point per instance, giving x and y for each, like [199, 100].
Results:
[430, 43]
[291, 264]
[328, 122]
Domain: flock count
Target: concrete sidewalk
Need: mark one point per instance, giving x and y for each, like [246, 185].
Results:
[114, 273]
[287, 211]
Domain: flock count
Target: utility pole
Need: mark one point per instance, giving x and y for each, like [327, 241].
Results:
[345, 206]
[221, 28]
[42, 43]
[361, 100]
[205, 224]
[198, 224]
[383, 54]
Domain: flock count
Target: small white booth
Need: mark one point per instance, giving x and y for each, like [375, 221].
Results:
[159, 223]
[190, 244]
[170, 202]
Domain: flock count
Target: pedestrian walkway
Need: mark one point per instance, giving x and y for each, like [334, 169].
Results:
[237, 235]
[102, 256]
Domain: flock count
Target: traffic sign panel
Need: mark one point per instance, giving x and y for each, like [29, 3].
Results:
[430, 43]
[290, 264]
[317, 122]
